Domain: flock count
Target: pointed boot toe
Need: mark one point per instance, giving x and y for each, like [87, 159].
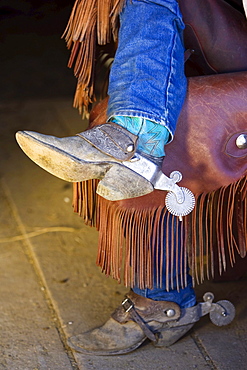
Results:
[112, 338]
[71, 158]
[87, 155]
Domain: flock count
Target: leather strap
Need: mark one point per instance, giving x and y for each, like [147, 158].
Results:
[129, 307]
[143, 310]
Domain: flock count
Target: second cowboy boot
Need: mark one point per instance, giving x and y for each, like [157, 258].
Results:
[140, 318]
[137, 319]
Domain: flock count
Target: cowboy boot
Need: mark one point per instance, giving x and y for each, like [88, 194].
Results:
[137, 319]
[140, 318]
[99, 153]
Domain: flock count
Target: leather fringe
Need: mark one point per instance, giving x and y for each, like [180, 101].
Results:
[91, 22]
[130, 238]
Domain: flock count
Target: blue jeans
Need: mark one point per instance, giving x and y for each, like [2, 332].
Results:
[147, 77]
[184, 297]
[147, 80]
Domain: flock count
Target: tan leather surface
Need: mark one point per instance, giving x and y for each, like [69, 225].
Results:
[203, 149]
[217, 33]
[214, 111]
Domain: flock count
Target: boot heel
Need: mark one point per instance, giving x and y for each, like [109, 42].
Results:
[122, 183]
[169, 335]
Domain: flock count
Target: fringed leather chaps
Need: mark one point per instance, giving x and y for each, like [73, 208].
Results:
[91, 22]
[204, 150]
[132, 232]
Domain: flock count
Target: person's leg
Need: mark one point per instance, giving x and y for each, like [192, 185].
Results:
[147, 90]
[148, 83]
[147, 78]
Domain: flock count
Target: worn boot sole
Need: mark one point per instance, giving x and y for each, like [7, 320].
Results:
[106, 353]
[165, 338]
[113, 352]
[108, 340]
[73, 159]
[100, 337]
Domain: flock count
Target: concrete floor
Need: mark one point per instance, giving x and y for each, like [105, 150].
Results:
[50, 287]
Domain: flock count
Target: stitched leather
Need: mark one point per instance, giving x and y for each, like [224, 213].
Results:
[144, 310]
[112, 140]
